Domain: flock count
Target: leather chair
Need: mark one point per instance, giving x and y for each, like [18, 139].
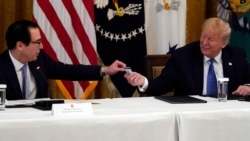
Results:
[154, 65]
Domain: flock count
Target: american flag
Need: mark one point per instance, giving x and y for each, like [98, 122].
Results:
[68, 35]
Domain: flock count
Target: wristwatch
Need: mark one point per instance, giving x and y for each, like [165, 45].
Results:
[102, 73]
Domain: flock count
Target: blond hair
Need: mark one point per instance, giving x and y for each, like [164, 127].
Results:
[219, 26]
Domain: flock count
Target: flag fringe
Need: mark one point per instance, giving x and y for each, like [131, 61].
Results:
[63, 89]
[89, 89]
[85, 94]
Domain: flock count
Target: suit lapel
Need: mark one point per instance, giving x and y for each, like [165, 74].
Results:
[227, 64]
[198, 73]
[33, 69]
[12, 76]
[40, 78]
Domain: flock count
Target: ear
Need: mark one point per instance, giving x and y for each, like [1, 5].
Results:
[19, 45]
[224, 45]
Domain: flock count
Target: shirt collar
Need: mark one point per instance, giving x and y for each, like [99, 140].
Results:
[18, 65]
[216, 58]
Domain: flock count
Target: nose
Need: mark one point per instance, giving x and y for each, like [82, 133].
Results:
[41, 45]
[204, 40]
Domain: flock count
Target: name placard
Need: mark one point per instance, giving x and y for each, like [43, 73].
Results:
[72, 109]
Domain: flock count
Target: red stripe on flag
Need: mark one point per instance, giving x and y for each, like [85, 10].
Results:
[46, 45]
[83, 38]
[58, 27]
[48, 49]
[78, 27]
[89, 5]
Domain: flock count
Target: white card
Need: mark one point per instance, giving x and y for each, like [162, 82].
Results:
[128, 70]
[72, 109]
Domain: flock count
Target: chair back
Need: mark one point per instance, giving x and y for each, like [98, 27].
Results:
[154, 65]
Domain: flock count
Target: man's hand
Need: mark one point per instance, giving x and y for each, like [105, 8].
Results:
[114, 68]
[135, 79]
[242, 90]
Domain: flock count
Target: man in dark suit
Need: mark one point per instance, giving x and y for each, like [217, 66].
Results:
[25, 48]
[186, 72]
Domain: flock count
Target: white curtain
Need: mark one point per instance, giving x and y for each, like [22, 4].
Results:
[165, 22]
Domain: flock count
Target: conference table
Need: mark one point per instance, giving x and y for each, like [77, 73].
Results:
[212, 121]
[132, 119]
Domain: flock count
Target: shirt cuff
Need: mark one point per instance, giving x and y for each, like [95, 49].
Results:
[144, 87]
[248, 84]
[102, 73]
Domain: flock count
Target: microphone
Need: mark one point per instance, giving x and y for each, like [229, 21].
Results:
[38, 68]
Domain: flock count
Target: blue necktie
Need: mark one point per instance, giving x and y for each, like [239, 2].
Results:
[25, 81]
[211, 79]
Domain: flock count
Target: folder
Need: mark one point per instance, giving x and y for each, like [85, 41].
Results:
[180, 99]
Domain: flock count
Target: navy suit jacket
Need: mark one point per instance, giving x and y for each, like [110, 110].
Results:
[49, 69]
[184, 71]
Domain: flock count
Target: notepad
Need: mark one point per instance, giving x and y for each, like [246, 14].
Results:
[180, 99]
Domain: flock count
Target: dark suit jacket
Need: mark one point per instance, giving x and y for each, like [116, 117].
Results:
[184, 71]
[49, 69]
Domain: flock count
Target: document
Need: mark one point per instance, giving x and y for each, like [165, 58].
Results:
[22, 103]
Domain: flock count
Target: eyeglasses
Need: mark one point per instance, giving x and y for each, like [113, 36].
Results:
[37, 42]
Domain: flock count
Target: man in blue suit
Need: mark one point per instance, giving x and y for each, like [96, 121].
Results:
[25, 48]
[186, 72]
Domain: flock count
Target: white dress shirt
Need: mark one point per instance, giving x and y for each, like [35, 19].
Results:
[18, 68]
[217, 68]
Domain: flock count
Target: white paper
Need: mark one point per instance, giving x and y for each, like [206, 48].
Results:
[72, 109]
[23, 102]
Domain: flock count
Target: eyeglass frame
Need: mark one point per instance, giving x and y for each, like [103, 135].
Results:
[37, 42]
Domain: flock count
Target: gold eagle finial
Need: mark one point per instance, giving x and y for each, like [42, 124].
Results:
[239, 6]
[119, 10]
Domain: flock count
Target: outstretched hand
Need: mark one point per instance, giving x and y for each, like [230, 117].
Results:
[135, 79]
[115, 67]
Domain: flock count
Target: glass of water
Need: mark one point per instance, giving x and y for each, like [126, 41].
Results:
[222, 89]
[2, 96]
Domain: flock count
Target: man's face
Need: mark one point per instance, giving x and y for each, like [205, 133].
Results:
[31, 51]
[211, 43]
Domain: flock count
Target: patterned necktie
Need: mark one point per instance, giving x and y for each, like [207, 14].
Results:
[211, 79]
[25, 81]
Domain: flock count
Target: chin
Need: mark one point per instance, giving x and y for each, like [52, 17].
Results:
[34, 59]
[206, 53]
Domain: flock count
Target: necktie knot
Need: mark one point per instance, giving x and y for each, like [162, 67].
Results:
[211, 61]
[24, 68]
